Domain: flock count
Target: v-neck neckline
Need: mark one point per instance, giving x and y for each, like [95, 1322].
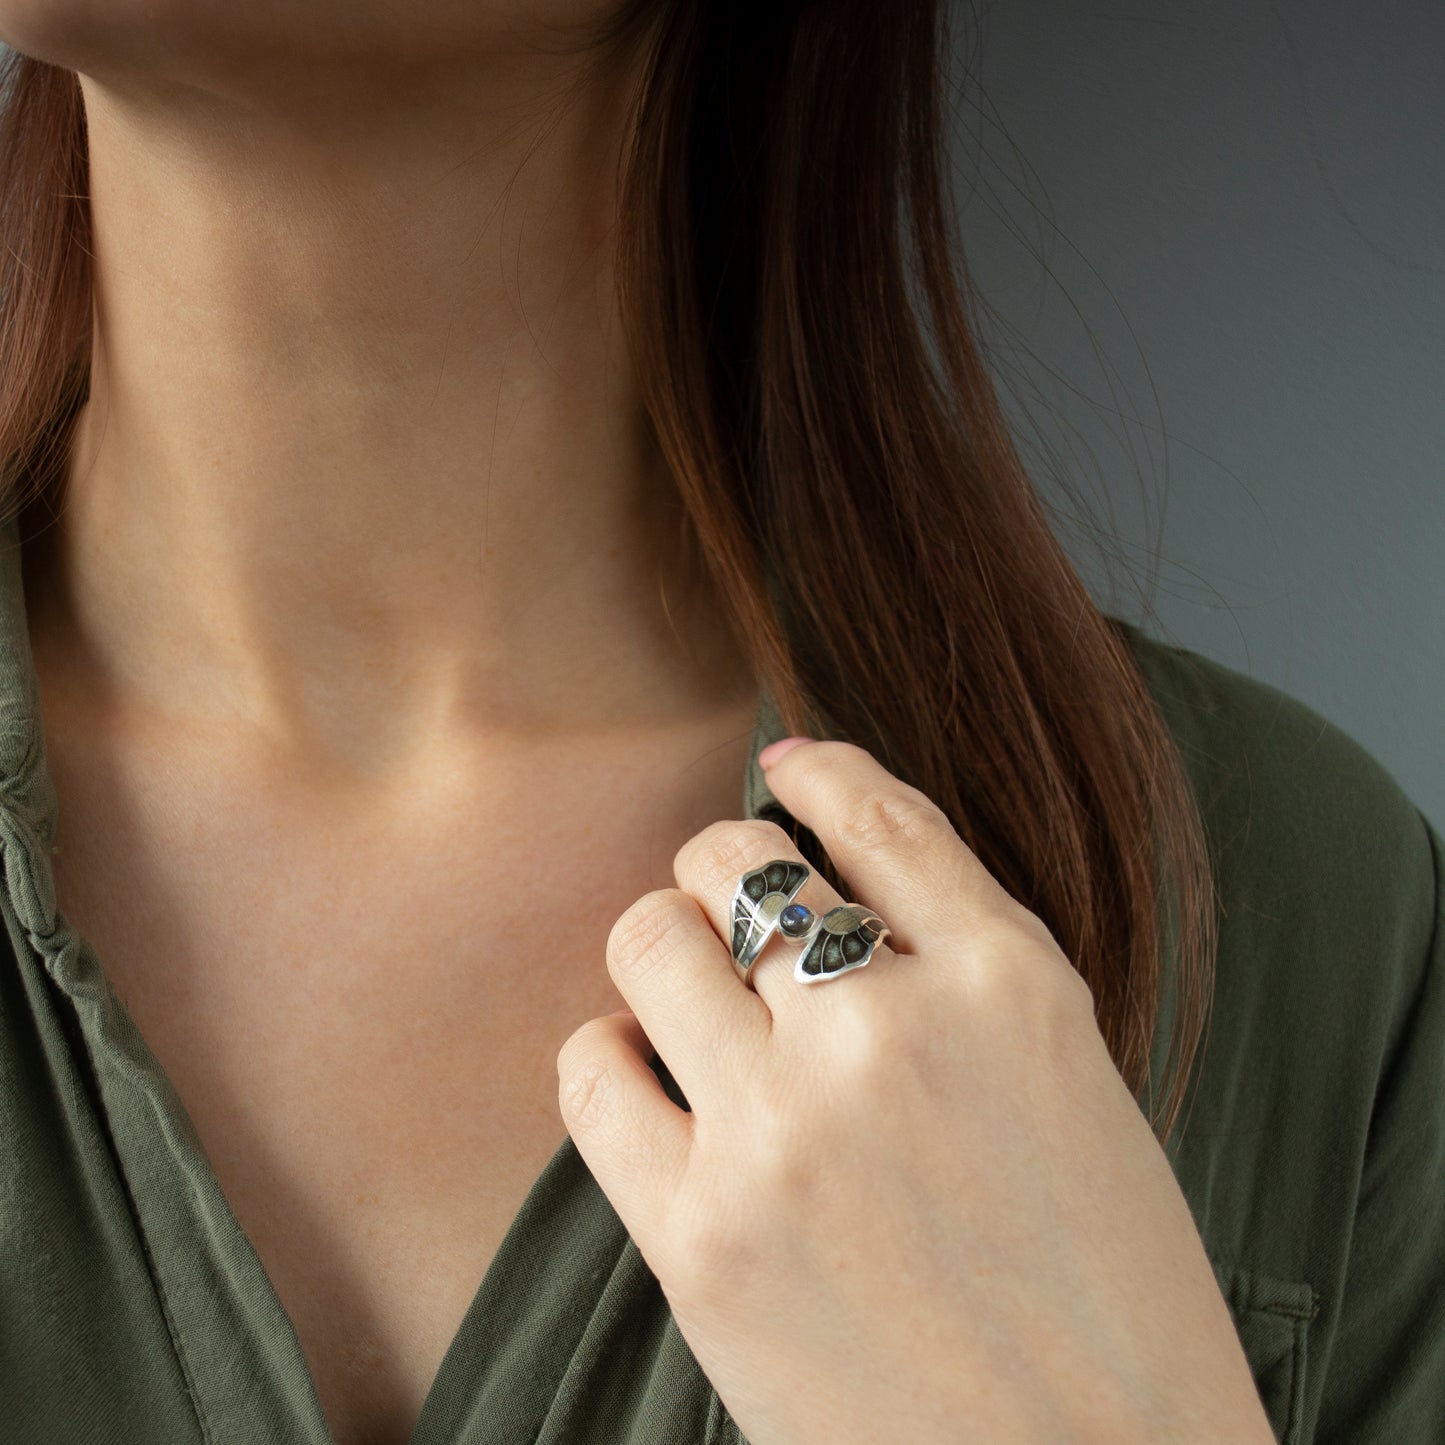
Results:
[194, 1241]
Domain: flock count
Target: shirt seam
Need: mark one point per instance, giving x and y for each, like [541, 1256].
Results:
[182, 1359]
[37, 945]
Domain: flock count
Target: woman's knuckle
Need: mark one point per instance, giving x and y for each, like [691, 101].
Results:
[1039, 963]
[1020, 985]
[645, 935]
[583, 1092]
[890, 820]
[724, 850]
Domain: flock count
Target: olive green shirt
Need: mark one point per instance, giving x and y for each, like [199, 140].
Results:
[134, 1309]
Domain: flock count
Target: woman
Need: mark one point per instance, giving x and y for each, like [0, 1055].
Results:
[448, 447]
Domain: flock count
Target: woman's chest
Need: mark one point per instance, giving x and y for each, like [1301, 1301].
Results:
[371, 1070]
[375, 1102]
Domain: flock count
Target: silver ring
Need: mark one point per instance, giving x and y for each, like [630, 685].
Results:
[841, 940]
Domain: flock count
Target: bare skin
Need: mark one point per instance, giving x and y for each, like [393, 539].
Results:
[363, 623]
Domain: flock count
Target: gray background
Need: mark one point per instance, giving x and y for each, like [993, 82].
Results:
[1210, 244]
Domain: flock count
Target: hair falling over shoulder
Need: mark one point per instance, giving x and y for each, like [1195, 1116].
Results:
[801, 322]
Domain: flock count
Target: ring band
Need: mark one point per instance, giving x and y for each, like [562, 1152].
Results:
[841, 940]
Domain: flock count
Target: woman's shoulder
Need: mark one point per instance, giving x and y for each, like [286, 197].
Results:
[1329, 884]
[1314, 1154]
[1298, 810]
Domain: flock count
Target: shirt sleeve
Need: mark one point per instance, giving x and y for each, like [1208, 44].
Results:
[1385, 1376]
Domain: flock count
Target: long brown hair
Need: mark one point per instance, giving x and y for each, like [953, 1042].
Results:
[789, 269]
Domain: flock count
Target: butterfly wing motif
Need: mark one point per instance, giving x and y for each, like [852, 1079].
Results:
[844, 939]
[761, 896]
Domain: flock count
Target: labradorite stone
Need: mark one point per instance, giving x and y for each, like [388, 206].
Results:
[795, 919]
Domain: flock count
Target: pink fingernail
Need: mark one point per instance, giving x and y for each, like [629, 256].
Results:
[774, 751]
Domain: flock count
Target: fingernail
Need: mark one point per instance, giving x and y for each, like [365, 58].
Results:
[774, 751]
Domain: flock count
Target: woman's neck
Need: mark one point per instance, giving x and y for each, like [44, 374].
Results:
[363, 460]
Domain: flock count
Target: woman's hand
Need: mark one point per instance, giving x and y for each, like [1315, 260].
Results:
[912, 1203]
